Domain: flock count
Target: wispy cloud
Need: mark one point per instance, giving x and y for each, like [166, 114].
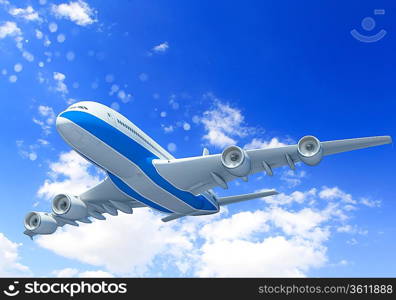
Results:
[161, 48]
[45, 119]
[10, 265]
[71, 272]
[27, 151]
[78, 12]
[224, 124]
[336, 193]
[258, 143]
[9, 29]
[70, 173]
[370, 203]
[276, 240]
[293, 178]
[60, 83]
[28, 13]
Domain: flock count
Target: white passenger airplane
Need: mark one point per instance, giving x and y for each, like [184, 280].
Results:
[140, 173]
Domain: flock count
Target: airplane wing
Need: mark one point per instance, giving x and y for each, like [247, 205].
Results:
[199, 174]
[100, 199]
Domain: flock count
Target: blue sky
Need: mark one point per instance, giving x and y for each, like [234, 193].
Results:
[193, 75]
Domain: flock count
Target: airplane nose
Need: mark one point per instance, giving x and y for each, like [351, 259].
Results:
[61, 123]
[68, 130]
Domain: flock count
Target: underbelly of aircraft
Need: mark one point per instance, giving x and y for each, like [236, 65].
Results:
[147, 192]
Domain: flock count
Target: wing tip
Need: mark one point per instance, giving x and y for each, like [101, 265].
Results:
[383, 139]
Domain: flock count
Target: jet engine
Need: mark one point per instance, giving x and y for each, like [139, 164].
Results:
[236, 161]
[310, 150]
[69, 207]
[40, 223]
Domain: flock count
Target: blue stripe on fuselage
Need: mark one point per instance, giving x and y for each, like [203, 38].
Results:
[129, 191]
[135, 153]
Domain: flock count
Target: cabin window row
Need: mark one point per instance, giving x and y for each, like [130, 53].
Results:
[135, 132]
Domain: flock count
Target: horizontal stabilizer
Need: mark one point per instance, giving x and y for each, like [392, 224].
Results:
[172, 217]
[238, 198]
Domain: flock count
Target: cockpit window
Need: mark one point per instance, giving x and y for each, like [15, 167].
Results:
[78, 107]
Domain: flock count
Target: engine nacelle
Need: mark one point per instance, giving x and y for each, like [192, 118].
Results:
[236, 161]
[69, 207]
[310, 150]
[40, 223]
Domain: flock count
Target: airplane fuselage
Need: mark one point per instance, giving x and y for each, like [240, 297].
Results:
[113, 143]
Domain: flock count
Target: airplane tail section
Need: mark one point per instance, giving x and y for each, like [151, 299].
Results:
[238, 198]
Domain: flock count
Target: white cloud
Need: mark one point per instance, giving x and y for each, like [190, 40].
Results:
[46, 118]
[336, 193]
[10, 265]
[272, 242]
[293, 178]
[168, 129]
[161, 48]
[48, 113]
[352, 242]
[268, 242]
[370, 203]
[295, 197]
[77, 11]
[304, 223]
[60, 84]
[71, 272]
[288, 237]
[27, 151]
[27, 13]
[239, 226]
[271, 257]
[43, 142]
[172, 147]
[224, 124]
[9, 29]
[257, 143]
[98, 273]
[69, 174]
[67, 272]
[143, 228]
[59, 76]
[353, 229]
